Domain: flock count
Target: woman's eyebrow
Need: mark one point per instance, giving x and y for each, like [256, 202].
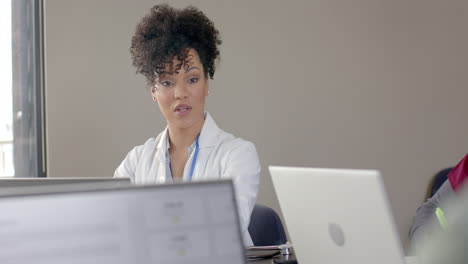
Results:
[163, 74]
[191, 68]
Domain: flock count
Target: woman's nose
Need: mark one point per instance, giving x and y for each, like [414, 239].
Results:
[180, 91]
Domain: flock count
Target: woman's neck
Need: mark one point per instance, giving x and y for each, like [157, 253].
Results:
[182, 138]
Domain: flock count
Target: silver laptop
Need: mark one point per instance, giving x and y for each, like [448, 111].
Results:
[337, 215]
[178, 223]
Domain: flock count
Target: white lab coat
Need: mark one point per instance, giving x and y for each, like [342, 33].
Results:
[221, 156]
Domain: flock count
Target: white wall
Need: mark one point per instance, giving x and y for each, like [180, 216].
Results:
[331, 83]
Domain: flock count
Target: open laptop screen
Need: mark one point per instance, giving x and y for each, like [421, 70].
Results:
[180, 223]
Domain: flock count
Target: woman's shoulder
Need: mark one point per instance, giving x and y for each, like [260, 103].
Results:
[237, 156]
[229, 143]
[152, 141]
[149, 145]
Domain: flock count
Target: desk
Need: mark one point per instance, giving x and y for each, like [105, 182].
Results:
[408, 260]
[270, 260]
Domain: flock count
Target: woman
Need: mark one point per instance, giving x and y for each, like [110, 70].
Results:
[176, 51]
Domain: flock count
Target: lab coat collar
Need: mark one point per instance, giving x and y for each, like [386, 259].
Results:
[209, 133]
[162, 146]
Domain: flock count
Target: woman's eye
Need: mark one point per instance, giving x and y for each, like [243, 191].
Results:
[166, 83]
[193, 80]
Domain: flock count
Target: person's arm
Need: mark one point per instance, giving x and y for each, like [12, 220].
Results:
[425, 215]
[243, 167]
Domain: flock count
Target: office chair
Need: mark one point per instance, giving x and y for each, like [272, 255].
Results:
[437, 181]
[265, 227]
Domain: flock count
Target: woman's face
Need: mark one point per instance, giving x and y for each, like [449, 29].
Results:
[181, 94]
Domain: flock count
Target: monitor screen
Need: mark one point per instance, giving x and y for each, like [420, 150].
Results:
[26, 182]
[178, 223]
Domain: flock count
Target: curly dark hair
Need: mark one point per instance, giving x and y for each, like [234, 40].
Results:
[167, 33]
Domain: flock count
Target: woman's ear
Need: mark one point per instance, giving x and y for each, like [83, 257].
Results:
[153, 94]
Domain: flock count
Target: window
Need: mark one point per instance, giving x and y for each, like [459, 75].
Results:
[22, 152]
[6, 97]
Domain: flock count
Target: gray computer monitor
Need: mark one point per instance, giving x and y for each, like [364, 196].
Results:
[174, 223]
[19, 186]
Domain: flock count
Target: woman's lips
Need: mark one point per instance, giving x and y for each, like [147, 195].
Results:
[183, 109]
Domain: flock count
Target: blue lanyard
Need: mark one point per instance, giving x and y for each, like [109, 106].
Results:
[194, 160]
